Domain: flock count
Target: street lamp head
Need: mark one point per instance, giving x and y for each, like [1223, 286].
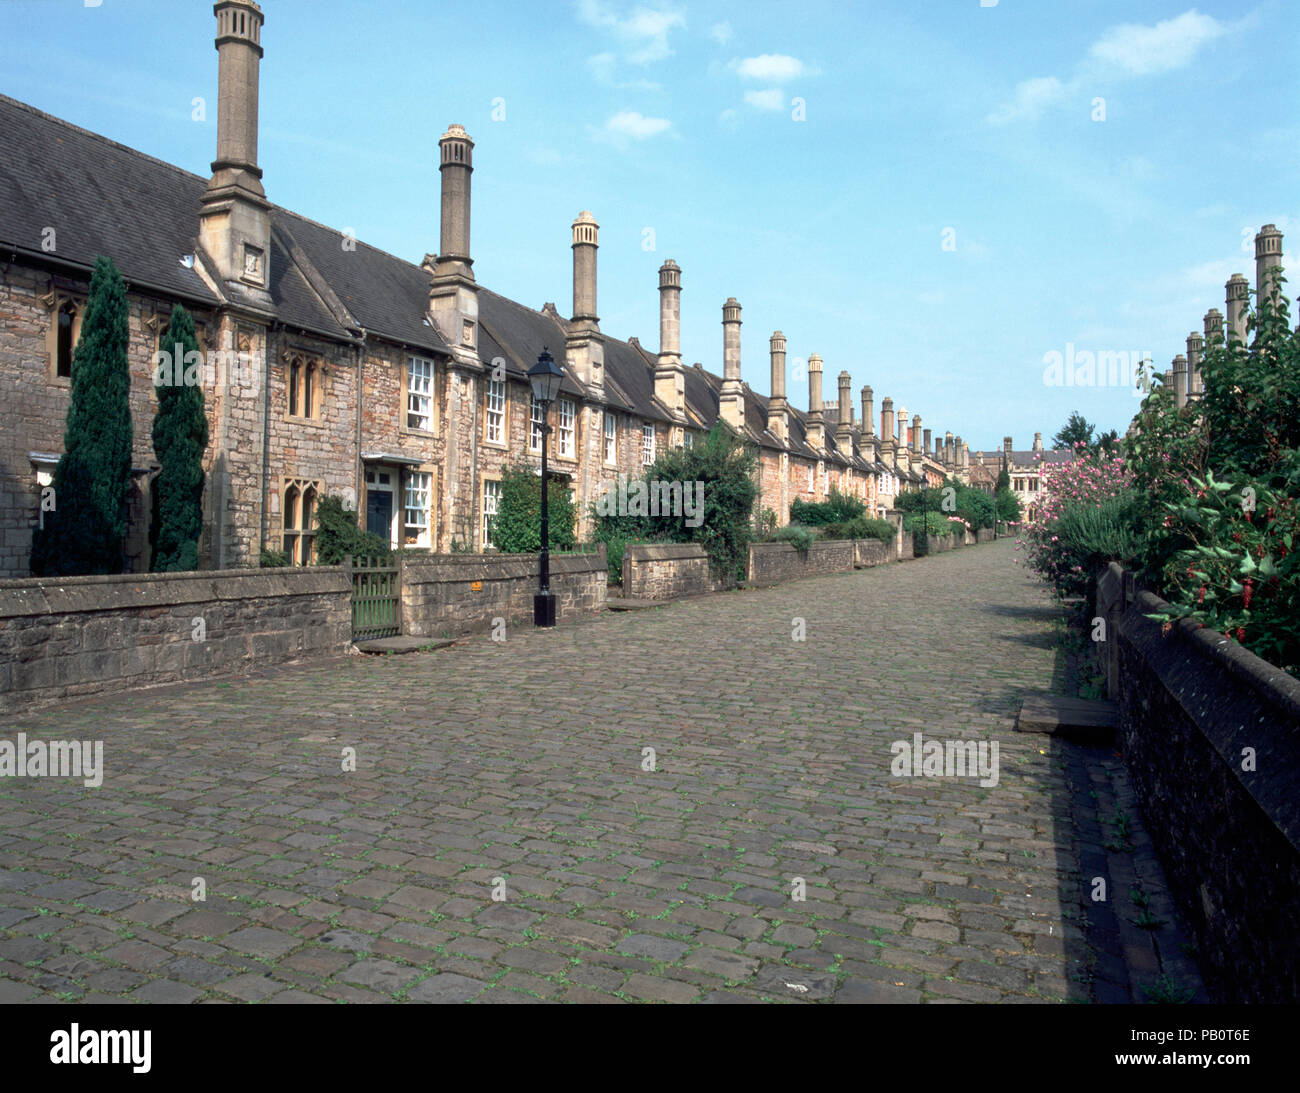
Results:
[545, 377]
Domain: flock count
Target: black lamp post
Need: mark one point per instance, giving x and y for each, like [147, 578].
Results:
[545, 377]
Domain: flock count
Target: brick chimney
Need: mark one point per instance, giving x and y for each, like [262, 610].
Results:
[731, 400]
[1237, 292]
[1268, 258]
[453, 293]
[777, 407]
[670, 378]
[235, 217]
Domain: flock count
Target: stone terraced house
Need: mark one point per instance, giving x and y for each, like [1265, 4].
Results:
[333, 368]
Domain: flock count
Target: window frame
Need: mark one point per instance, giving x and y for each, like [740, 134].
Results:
[648, 443]
[610, 435]
[409, 394]
[502, 415]
[297, 540]
[491, 488]
[409, 478]
[536, 424]
[561, 451]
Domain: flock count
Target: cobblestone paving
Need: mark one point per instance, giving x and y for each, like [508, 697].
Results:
[520, 766]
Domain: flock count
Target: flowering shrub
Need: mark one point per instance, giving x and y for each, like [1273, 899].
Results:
[1220, 478]
[1088, 515]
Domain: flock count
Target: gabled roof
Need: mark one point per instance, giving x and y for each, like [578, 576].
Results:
[101, 197]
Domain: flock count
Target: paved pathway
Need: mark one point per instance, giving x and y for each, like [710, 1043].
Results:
[519, 767]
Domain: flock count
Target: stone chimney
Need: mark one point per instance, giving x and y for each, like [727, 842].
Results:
[731, 400]
[844, 430]
[1213, 324]
[778, 420]
[235, 217]
[887, 430]
[926, 446]
[949, 455]
[1237, 292]
[1268, 258]
[916, 435]
[1180, 381]
[1195, 343]
[815, 426]
[965, 462]
[1038, 442]
[584, 348]
[1006, 446]
[453, 294]
[868, 412]
[670, 378]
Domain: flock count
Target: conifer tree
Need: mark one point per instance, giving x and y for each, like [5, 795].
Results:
[84, 532]
[180, 435]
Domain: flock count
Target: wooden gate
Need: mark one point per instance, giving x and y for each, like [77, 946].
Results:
[376, 597]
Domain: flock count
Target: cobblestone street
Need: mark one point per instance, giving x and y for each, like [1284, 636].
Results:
[520, 767]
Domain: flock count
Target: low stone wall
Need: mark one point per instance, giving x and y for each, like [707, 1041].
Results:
[666, 571]
[439, 597]
[771, 563]
[874, 552]
[66, 637]
[984, 535]
[1211, 737]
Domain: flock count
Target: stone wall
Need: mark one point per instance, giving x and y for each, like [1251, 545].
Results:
[984, 535]
[771, 563]
[665, 571]
[439, 597]
[1211, 736]
[874, 552]
[75, 636]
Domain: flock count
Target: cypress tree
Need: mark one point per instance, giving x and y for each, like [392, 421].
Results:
[180, 435]
[85, 531]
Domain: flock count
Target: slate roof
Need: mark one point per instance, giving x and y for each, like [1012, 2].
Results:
[102, 197]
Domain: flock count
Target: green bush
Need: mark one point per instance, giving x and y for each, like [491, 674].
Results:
[836, 509]
[861, 527]
[1086, 535]
[726, 467]
[800, 538]
[517, 526]
[272, 559]
[337, 534]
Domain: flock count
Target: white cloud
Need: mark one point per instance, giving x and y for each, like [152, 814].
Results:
[644, 31]
[770, 67]
[1172, 43]
[720, 33]
[628, 125]
[1031, 99]
[771, 99]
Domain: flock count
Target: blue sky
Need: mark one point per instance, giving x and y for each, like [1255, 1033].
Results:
[1108, 235]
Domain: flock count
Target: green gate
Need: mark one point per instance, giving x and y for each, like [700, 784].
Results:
[376, 597]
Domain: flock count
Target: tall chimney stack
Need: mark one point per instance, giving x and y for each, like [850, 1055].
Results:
[1038, 442]
[453, 294]
[887, 429]
[777, 407]
[1195, 342]
[586, 241]
[1237, 292]
[926, 445]
[234, 217]
[868, 412]
[916, 435]
[731, 400]
[815, 425]
[584, 348]
[1268, 258]
[1180, 381]
[1213, 324]
[844, 430]
[949, 455]
[670, 379]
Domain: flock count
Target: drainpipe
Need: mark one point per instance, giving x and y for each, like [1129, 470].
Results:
[361, 394]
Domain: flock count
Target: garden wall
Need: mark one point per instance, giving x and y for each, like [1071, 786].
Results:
[984, 535]
[874, 552]
[1211, 736]
[772, 563]
[666, 571]
[439, 597]
[66, 637]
